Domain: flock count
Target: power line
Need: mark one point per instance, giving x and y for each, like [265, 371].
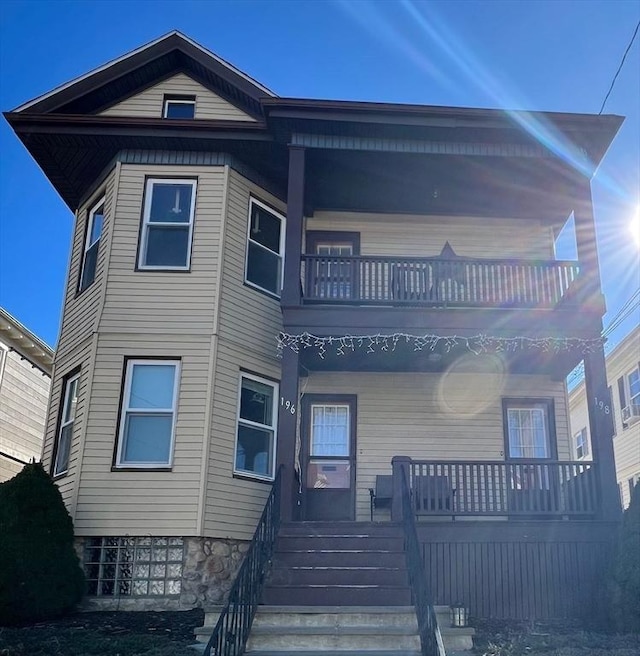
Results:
[615, 77]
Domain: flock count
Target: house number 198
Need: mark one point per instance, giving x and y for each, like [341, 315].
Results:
[291, 407]
[602, 406]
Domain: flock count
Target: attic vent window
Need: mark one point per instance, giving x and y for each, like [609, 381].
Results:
[179, 107]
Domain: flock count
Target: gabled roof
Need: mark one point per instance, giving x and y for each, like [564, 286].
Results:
[21, 340]
[140, 68]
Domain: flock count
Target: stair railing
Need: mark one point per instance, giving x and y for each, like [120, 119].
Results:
[430, 638]
[231, 632]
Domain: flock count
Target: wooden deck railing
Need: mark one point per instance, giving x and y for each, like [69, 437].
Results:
[491, 488]
[436, 282]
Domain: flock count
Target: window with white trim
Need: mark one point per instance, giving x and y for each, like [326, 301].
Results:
[581, 444]
[148, 420]
[256, 434]
[167, 224]
[179, 107]
[528, 430]
[95, 221]
[633, 384]
[265, 248]
[65, 429]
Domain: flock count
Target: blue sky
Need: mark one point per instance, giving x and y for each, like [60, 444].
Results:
[538, 55]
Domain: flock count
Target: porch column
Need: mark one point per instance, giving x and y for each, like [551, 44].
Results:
[293, 238]
[288, 412]
[595, 374]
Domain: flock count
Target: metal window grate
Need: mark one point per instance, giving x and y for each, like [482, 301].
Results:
[133, 566]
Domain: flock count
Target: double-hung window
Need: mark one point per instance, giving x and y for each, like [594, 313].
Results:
[95, 221]
[167, 224]
[256, 436]
[148, 419]
[581, 444]
[65, 429]
[634, 388]
[265, 248]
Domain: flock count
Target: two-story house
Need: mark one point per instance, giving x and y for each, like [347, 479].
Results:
[623, 403]
[25, 381]
[313, 287]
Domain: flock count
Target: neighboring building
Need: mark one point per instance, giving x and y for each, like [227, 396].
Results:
[623, 402]
[25, 380]
[400, 256]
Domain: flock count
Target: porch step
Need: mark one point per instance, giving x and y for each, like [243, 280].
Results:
[363, 529]
[338, 558]
[336, 595]
[340, 542]
[338, 630]
[318, 575]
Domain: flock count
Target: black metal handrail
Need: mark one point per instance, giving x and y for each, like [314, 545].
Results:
[430, 642]
[232, 630]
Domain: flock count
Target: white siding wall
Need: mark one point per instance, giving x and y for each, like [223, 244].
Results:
[411, 236]
[149, 103]
[428, 416]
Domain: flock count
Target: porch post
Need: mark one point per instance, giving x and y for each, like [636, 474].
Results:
[293, 237]
[398, 465]
[595, 374]
[288, 412]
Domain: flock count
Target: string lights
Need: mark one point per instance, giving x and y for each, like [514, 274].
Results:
[477, 344]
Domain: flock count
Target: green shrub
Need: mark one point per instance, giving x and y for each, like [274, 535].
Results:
[625, 576]
[40, 577]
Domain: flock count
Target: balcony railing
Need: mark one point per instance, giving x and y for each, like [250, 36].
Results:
[375, 280]
[486, 488]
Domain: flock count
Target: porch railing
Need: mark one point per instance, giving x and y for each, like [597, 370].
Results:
[436, 282]
[430, 640]
[522, 487]
[232, 630]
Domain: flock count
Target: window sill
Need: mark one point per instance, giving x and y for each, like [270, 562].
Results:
[245, 476]
[147, 269]
[262, 291]
[141, 468]
[57, 477]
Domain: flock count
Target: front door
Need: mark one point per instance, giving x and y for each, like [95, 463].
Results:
[329, 457]
[334, 273]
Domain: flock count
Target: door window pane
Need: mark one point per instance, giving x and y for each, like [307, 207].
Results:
[326, 474]
[330, 430]
[528, 432]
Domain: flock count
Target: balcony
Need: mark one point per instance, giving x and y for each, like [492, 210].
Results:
[523, 488]
[436, 282]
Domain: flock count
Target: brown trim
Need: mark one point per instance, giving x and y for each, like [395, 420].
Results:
[243, 370]
[510, 401]
[76, 371]
[123, 380]
[313, 237]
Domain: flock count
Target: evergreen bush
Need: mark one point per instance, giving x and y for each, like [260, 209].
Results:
[625, 577]
[40, 576]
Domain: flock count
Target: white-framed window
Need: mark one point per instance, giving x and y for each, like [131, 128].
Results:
[167, 224]
[256, 434]
[633, 385]
[265, 248]
[581, 444]
[95, 222]
[149, 409]
[67, 418]
[179, 107]
[528, 434]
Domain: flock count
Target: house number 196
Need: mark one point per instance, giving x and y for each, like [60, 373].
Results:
[291, 407]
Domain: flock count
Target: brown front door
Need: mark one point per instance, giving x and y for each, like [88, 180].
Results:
[329, 457]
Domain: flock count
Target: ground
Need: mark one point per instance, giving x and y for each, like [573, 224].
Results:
[106, 634]
[171, 633]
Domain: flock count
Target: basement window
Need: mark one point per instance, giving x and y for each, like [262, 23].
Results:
[133, 566]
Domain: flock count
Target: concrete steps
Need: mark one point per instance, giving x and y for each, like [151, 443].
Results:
[352, 630]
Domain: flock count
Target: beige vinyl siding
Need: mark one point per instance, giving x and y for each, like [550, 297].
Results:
[248, 317]
[24, 393]
[80, 358]
[139, 502]
[164, 301]
[233, 505]
[149, 102]
[425, 236]
[428, 416]
[8, 468]
[81, 310]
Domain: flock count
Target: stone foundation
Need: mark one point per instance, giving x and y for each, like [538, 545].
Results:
[209, 568]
